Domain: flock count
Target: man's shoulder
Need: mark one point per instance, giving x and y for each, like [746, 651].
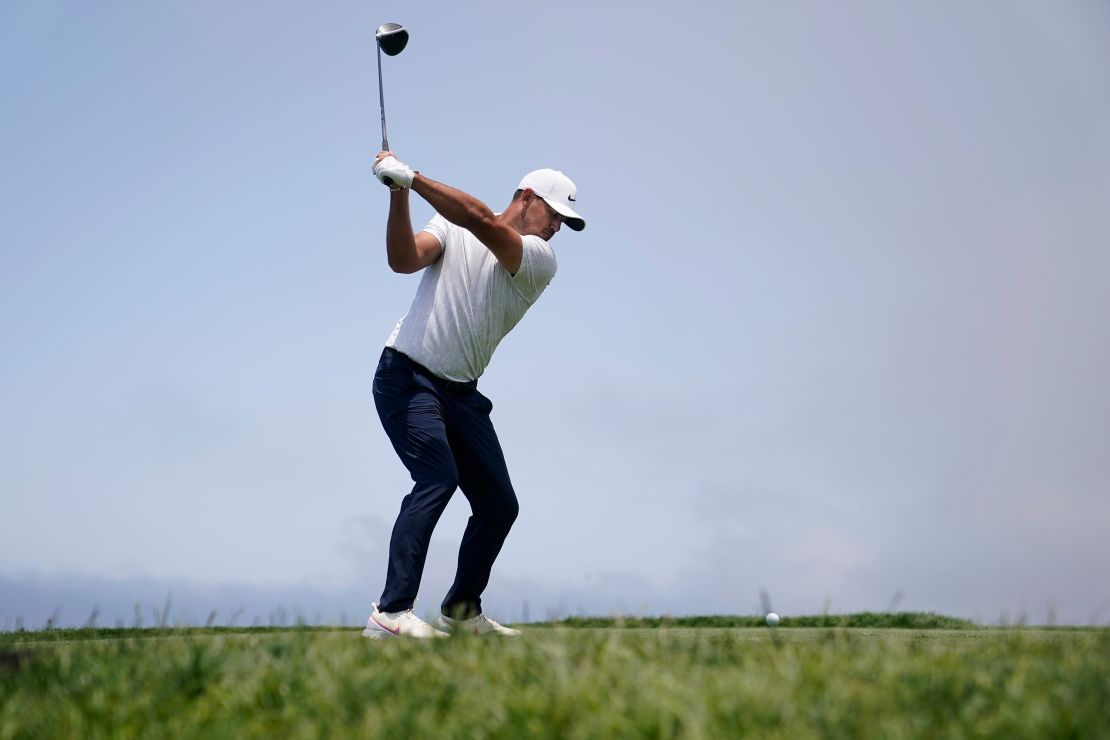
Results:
[537, 242]
[537, 266]
[539, 247]
[449, 233]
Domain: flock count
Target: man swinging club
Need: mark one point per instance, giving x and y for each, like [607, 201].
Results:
[482, 271]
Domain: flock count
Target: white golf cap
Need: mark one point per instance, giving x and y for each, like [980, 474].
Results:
[558, 191]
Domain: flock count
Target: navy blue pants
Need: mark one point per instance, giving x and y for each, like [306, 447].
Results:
[442, 432]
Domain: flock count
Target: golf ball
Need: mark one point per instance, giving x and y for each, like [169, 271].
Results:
[772, 619]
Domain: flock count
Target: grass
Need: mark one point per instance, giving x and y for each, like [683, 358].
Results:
[558, 682]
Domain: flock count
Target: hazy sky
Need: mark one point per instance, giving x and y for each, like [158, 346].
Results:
[837, 327]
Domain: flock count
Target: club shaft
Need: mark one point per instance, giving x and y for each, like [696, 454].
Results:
[381, 100]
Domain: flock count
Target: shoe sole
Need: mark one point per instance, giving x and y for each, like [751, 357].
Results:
[383, 635]
[451, 630]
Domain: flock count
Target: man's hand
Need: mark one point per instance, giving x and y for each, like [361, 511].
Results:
[392, 172]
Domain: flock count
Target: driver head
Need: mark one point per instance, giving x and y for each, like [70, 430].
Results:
[392, 38]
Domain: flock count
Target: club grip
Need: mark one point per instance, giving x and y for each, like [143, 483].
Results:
[385, 147]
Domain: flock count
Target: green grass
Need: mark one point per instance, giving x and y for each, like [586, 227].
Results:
[697, 682]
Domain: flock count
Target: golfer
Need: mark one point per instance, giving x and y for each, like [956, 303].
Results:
[482, 271]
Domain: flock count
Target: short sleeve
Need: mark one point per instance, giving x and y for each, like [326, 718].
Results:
[537, 268]
[437, 227]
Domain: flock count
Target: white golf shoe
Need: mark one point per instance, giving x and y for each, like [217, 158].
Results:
[399, 624]
[479, 625]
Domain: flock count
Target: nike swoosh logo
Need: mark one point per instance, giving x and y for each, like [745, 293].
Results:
[570, 198]
[392, 632]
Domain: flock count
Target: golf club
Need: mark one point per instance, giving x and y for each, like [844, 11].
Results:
[392, 38]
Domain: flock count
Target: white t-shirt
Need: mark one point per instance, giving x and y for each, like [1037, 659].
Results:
[467, 302]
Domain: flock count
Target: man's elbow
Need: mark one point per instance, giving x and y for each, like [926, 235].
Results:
[402, 257]
[403, 266]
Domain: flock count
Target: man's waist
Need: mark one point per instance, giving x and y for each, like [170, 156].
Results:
[453, 387]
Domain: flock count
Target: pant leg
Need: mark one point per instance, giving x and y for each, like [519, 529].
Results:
[412, 413]
[484, 480]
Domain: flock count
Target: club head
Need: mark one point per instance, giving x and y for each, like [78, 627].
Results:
[392, 38]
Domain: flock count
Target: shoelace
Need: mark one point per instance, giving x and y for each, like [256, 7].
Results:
[483, 618]
[410, 617]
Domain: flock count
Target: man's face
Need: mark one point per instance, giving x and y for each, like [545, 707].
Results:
[540, 219]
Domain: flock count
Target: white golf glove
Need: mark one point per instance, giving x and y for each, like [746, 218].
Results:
[394, 173]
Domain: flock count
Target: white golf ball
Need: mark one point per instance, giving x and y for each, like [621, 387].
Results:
[772, 619]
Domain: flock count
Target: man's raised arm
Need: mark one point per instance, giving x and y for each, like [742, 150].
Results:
[459, 208]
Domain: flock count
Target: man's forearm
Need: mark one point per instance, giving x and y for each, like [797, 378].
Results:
[400, 244]
[453, 204]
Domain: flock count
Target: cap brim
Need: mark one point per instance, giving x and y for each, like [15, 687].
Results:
[570, 218]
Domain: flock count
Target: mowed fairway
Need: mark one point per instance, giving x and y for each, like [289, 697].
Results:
[565, 683]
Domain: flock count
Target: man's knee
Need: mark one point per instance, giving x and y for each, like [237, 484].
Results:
[433, 488]
[446, 479]
[494, 505]
[505, 509]
[432, 467]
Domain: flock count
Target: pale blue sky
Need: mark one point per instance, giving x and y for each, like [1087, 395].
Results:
[837, 326]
